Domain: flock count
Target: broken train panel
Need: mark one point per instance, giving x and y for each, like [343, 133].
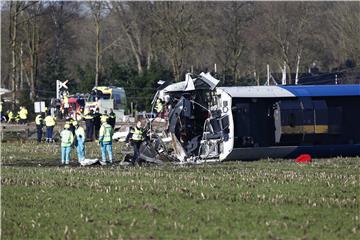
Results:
[199, 119]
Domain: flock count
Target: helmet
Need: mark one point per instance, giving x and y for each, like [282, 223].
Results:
[67, 126]
[75, 123]
[138, 124]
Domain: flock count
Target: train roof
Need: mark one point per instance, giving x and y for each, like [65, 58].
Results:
[293, 91]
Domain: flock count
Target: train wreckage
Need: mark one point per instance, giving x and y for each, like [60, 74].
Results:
[207, 123]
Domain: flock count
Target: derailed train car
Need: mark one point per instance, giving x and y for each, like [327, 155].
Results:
[210, 123]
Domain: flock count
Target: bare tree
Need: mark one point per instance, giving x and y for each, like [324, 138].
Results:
[178, 30]
[288, 32]
[97, 9]
[344, 20]
[29, 60]
[15, 9]
[232, 39]
[136, 23]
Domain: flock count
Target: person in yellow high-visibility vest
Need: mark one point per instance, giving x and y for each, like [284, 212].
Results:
[66, 106]
[136, 137]
[159, 108]
[89, 123]
[50, 124]
[10, 116]
[104, 117]
[23, 115]
[67, 139]
[105, 140]
[17, 118]
[39, 122]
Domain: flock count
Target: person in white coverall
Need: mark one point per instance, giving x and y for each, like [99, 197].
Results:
[80, 141]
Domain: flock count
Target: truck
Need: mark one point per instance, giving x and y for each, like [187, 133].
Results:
[106, 98]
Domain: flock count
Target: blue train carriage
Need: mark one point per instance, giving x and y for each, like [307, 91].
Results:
[210, 123]
[286, 121]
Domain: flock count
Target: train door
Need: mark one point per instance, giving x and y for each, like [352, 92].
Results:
[242, 120]
[289, 128]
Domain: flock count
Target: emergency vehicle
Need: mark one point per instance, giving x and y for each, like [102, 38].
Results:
[106, 98]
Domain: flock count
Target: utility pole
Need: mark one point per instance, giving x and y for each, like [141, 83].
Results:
[297, 70]
[257, 83]
[283, 79]
[268, 75]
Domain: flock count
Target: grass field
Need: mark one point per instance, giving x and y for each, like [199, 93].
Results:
[268, 199]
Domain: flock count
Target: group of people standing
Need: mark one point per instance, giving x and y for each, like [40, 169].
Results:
[93, 122]
[49, 121]
[76, 136]
[100, 125]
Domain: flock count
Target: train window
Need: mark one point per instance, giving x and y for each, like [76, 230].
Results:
[105, 96]
[117, 101]
[225, 122]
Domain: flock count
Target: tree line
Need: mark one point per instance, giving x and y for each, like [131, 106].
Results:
[134, 44]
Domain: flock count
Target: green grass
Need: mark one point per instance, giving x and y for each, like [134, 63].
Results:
[275, 199]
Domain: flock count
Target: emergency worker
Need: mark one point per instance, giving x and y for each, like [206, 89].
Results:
[105, 140]
[67, 140]
[50, 124]
[89, 123]
[80, 141]
[39, 122]
[66, 105]
[97, 123]
[70, 120]
[104, 117]
[112, 118]
[159, 107]
[17, 118]
[10, 116]
[136, 137]
[23, 115]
